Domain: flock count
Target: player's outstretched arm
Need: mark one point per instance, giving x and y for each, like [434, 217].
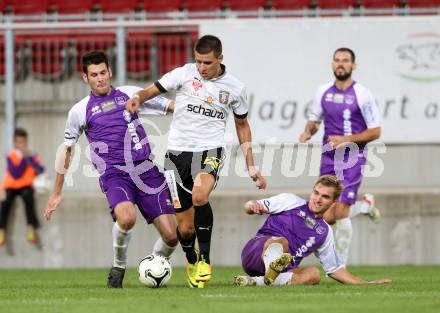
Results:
[133, 104]
[62, 165]
[366, 136]
[343, 276]
[253, 207]
[245, 138]
[310, 129]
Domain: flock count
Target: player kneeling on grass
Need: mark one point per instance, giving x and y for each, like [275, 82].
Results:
[294, 229]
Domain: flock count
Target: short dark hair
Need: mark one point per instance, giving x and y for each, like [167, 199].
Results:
[344, 49]
[20, 132]
[331, 181]
[207, 44]
[93, 57]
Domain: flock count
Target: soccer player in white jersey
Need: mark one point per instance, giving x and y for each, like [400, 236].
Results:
[122, 155]
[205, 96]
[351, 120]
[294, 229]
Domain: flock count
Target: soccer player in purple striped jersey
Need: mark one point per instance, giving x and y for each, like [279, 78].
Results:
[122, 155]
[294, 229]
[351, 120]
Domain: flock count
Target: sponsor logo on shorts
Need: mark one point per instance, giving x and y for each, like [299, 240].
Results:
[214, 162]
[176, 203]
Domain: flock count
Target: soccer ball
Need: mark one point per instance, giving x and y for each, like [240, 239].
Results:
[154, 271]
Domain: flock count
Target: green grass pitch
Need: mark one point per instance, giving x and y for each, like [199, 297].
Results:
[415, 290]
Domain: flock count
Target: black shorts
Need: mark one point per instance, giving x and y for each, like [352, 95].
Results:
[186, 165]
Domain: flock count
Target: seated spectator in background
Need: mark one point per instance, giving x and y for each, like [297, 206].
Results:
[23, 166]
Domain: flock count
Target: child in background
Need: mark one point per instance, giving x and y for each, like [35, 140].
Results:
[23, 166]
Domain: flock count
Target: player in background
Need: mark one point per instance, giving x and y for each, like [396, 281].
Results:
[206, 94]
[23, 166]
[121, 154]
[351, 120]
[294, 229]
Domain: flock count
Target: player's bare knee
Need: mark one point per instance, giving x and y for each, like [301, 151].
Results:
[307, 276]
[170, 238]
[126, 218]
[199, 199]
[125, 215]
[186, 231]
[314, 276]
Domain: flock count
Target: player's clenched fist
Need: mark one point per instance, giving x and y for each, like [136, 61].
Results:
[133, 104]
[254, 207]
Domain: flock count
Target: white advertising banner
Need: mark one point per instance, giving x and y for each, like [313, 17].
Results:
[284, 61]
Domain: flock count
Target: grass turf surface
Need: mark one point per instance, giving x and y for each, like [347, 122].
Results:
[415, 290]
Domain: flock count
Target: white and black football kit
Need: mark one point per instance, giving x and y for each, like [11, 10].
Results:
[202, 107]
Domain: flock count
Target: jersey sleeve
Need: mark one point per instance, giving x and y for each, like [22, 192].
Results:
[75, 124]
[327, 255]
[156, 106]
[368, 107]
[316, 112]
[240, 106]
[172, 80]
[281, 202]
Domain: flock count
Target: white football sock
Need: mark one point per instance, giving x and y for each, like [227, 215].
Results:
[360, 207]
[121, 238]
[284, 279]
[259, 280]
[343, 234]
[161, 248]
[273, 251]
